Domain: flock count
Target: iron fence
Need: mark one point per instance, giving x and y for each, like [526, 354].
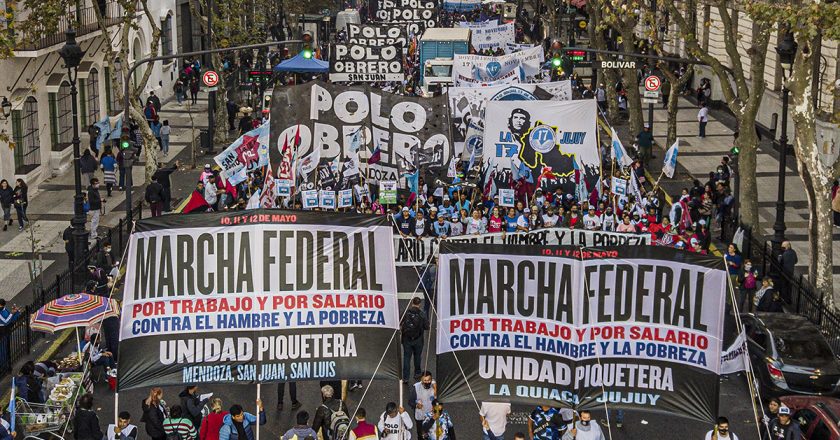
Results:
[16, 339]
[797, 290]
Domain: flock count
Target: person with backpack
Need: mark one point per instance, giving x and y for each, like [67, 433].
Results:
[394, 423]
[154, 412]
[178, 427]
[331, 417]
[301, 430]
[239, 423]
[412, 326]
[192, 404]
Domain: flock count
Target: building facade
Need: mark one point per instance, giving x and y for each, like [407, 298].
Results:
[35, 81]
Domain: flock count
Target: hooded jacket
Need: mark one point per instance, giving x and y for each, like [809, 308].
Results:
[228, 430]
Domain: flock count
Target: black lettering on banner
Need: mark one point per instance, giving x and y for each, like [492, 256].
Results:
[362, 63]
[377, 35]
[635, 327]
[256, 300]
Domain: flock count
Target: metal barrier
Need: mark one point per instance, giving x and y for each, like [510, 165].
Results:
[801, 296]
[16, 339]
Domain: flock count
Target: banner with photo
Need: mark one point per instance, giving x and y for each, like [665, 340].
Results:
[362, 63]
[415, 15]
[362, 130]
[418, 251]
[377, 35]
[492, 37]
[271, 296]
[527, 65]
[549, 144]
[637, 328]
[467, 106]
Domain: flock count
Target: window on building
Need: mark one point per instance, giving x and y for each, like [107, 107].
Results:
[92, 104]
[62, 117]
[25, 134]
[166, 35]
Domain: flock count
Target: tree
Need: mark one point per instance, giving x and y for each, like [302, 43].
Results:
[674, 81]
[608, 77]
[135, 110]
[44, 15]
[806, 19]
[623, 16]
[742, 90]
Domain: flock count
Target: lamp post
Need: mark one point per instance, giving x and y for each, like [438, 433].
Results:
[787, 51]
[7, 108]
[72, 55]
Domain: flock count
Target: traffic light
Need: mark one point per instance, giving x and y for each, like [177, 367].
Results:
[307, 44]
[125, 139]
[556, 61]
[735, 150]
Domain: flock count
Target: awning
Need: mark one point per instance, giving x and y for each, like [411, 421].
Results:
[19, 97]
[54, 82]
[299, 64]
[84, 69]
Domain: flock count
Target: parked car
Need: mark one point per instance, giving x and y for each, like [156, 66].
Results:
[789, 355]
[817, 416]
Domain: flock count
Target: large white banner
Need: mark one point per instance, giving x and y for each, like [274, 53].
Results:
[484, 69]
[415, 252]
[523, 138]
[467, 105]
[267, 296]
[493, 37]
[638, 327]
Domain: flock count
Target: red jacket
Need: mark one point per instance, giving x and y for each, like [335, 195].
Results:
[211, 425]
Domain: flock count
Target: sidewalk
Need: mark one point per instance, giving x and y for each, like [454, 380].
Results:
[697, 157]
[51, 208]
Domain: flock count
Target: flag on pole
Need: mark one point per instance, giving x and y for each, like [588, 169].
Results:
[619, 153]
[269, 191]
[376, 156]
[580, 184]
[254, 200]
[195, 202]
[670, 164]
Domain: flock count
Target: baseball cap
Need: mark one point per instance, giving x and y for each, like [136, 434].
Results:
[784, 411]
[405, 209]
[445, 197]
[207, 166]
[433, 208]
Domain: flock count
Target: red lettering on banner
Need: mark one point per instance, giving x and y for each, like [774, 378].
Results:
[349, 302]
[211, 305]
[679, 337]
[466, 325]
[289, 302]
[148, 309]
[606, 332]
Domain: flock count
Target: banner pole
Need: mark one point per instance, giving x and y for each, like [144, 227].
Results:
[259, 386]
[116, 409]
[78, 344]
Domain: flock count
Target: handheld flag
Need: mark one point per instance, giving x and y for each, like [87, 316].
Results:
[196, 202]
[619, 153]
[376, 156]
[670, 164]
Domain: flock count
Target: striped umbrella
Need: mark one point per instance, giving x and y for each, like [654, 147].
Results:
[74, 310]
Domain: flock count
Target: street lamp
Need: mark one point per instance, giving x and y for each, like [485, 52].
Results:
[7, 108]
[787, 52]
[72, 55]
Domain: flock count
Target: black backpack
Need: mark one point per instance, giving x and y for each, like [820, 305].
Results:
[412, 326]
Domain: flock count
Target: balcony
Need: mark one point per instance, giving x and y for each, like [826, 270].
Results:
[36, 36]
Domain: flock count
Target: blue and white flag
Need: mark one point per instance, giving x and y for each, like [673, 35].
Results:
[619, 153]
[670, 163]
